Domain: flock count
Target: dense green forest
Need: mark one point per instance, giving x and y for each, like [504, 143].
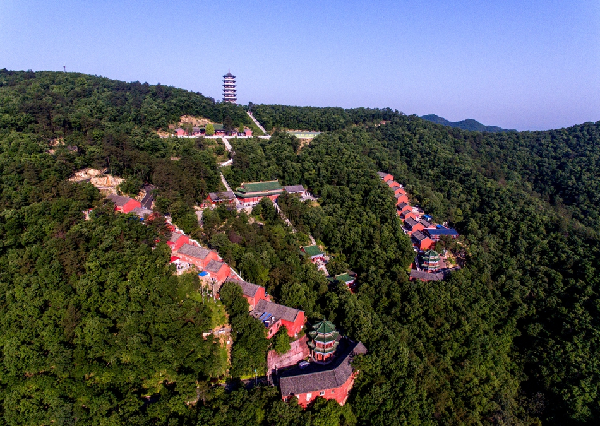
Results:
[96, 329]
[317, 119]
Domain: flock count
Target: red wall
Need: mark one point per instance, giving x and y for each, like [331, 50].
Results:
[407, 214]
[184, 239]
[252, 200]
[130, 205]
[200, 263]
[418, 227]
[294, 327]
[402, 199]
[223, 273]
[260, 294]
[426, 244]
[339, 394]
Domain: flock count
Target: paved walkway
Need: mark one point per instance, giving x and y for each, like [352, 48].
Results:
[256, 122]
[227, 144]
[225, 183]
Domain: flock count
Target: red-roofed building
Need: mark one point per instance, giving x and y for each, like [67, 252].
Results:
[177, 241]
[217, 198]
[252, 293]
[385, 176]
[180, 132]
[408, 214]
[412, 225]
[393, 184]
[403, 207]
[422, 241]
[293, 319]
[198, 256]
[124, 204]
[401, 198]
[330, 381]
[399, 191]
[217, 270]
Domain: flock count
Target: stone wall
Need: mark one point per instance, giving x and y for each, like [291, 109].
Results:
[298, 352]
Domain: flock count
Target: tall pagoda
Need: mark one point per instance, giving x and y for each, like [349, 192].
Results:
[431, 261]
[323, 341]
[229, 92]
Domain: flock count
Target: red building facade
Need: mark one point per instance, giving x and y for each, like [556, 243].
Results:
[124, 204]
[198, 256]
[252, 293]
[331, 381]
[217, 270]
[293, 319]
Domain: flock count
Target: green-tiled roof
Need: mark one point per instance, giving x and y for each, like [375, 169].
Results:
[431, 255]
[324, 327]
[344, 278]
[260, 186]
[312, 250]
[215, 126]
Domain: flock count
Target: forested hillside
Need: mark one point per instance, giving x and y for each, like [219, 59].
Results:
[317, 119]
[96, 329]
[468, 124]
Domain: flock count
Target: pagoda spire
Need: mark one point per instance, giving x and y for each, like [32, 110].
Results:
[229, 91]
[324, 339]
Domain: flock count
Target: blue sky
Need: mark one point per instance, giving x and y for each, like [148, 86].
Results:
[529, 65]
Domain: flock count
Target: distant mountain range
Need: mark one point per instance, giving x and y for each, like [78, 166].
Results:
[468, 124]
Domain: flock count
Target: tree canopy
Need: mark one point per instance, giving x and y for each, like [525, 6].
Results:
[96, 327]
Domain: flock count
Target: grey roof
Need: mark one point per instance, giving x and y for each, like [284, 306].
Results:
[218, 196]
[278, 311]
[214, 266]
[119, 200]
[194, 251]
[142, 211]
[175, 236]
[425, 223]
[411, 222]
[382, 174]
[426, 276]
[318, 377]
[419, 236]
[402, 205]
[294, 188]
[248, 289]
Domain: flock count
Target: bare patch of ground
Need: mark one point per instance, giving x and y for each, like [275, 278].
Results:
[106, 183]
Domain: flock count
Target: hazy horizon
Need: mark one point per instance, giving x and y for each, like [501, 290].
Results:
[530, 66]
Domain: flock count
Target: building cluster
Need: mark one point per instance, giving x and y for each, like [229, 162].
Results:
[423, 232]
[249, 194]
[330, 373]
[197, 131]
[129, 205]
